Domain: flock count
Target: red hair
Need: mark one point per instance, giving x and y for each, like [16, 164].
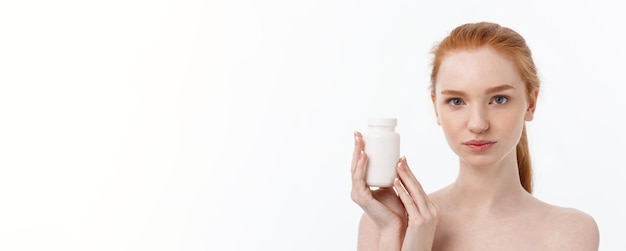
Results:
[510, 44]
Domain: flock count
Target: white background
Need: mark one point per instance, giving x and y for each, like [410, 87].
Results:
[190, 125]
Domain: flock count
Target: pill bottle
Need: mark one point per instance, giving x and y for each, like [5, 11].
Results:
[382, 146]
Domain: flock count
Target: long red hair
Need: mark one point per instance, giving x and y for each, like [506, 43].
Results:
[510, 44]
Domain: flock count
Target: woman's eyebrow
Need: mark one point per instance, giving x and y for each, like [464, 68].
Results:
[499, 88]
[452, 93]
[490, 90]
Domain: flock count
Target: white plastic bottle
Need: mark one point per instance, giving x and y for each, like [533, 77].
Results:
[382, 146]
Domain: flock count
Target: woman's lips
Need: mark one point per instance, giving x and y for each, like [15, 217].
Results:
[478, 145]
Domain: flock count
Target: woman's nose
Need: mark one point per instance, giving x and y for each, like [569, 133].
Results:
[478, 122]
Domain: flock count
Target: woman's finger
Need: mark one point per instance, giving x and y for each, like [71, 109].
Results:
[411, 176]
[405, 197]
[361, 193]
[434, 210]
[358, 148]
[358, 176]
[412, 186]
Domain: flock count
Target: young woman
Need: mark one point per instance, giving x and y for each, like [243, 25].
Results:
[484, 88]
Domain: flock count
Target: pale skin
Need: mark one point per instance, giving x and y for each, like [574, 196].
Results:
[479, 96]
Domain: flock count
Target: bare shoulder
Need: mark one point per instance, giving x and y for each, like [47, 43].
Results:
[570, 228]
[437, 196]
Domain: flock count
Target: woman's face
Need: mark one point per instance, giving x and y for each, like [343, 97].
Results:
[481, 103]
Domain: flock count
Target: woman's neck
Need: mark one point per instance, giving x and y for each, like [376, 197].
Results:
[488, 188]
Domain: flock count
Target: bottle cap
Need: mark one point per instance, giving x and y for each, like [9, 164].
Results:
[382, 121]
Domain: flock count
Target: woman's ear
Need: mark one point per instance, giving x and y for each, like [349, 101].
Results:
[434, 100]
[532, 104]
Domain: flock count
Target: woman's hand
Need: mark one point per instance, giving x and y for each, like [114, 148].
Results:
[423, 214]
[382, 206]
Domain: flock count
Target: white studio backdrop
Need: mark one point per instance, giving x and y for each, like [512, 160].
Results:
[227, 125]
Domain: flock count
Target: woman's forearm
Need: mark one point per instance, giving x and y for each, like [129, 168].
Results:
[371, 238]
[391, 240]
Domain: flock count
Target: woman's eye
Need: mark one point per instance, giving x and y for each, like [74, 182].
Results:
[455, 101]
[500, 100]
